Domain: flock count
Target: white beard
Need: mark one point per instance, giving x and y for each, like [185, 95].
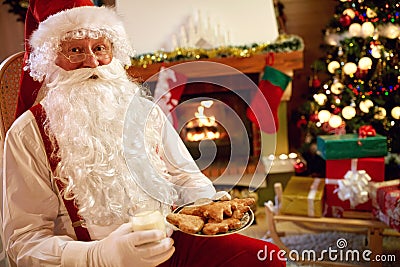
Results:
[86, 117]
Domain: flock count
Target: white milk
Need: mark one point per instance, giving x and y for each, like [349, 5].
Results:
[148, 220]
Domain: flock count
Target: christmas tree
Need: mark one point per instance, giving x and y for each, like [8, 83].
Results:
[357, 83]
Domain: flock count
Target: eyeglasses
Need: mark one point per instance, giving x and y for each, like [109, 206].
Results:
[77, 58]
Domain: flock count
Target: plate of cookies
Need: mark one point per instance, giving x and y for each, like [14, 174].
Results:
[213, 219]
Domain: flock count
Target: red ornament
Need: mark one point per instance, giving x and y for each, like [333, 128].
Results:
[361, 73]
[345, 20]
[314, 118]
[300, 167]
[316, 83]
[337, 110]
[301, 122]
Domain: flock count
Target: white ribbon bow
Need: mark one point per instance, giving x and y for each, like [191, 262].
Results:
[354, 187]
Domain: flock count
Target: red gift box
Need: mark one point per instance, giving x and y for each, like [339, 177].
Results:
[375, 167]
[336, 169]
[389, 221]
[334, 206]
[388, 199]
[386, 202]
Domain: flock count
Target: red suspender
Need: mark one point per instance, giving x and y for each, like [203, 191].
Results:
[81, 232]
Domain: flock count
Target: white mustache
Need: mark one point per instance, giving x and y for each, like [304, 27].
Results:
[109, 72]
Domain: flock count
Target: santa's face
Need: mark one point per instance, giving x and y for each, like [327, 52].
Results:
[84, 53]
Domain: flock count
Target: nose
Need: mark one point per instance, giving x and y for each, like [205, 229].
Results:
[90, 61]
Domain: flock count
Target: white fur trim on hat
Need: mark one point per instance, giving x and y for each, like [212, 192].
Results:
[45, 40]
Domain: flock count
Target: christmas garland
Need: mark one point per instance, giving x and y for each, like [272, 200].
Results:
[284, 43]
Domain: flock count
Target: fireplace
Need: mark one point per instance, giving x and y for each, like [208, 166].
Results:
[216, 118]
[212, 123]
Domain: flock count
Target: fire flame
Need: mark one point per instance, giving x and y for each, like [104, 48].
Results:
[205, 126]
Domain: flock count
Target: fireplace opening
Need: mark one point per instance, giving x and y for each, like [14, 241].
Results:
[214, 126]
[203, 126]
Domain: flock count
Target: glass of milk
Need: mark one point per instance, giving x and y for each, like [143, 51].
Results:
[147, 217]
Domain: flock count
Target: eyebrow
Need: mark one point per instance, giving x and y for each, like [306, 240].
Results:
[77, 43]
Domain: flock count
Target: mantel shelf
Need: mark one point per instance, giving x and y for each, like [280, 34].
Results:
[254, 64]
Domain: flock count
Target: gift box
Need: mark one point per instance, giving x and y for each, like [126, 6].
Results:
[389, 221]
[386, 202]
[385, 195]
[303, 196]
[355, 193]
[347, 146]
[375, 167]
[334, 206]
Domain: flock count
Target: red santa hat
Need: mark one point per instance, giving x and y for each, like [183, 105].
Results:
[37, 12]
[78, 22]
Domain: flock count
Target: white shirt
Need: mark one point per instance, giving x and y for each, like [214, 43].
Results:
[37, 228]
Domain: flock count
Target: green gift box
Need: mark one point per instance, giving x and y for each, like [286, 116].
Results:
[349, 146]
[303, 196]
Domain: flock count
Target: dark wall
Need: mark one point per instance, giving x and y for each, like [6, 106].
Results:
[306, 18]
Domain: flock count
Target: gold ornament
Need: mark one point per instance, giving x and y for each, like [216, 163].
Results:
[380, 113]
[371, 13]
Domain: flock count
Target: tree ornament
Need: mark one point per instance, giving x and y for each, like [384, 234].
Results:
[337, 87]
[367, 29]
[301, 122]
[366, 105]
[335, 121]
[336, 110]
[340, 51]
[390, 31]
[314, 117]
[361, 73]
[355, 30]
[345, 20]
[320, 99]
[316, 82]
[349, 68]
[349, 12]
[332, 39]
[333, 66]
[348, 112]
[376, 51]
[395, 113]
[371, 13]
[300, 167]
[380, 113]
[365, 63]
[324, 115]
